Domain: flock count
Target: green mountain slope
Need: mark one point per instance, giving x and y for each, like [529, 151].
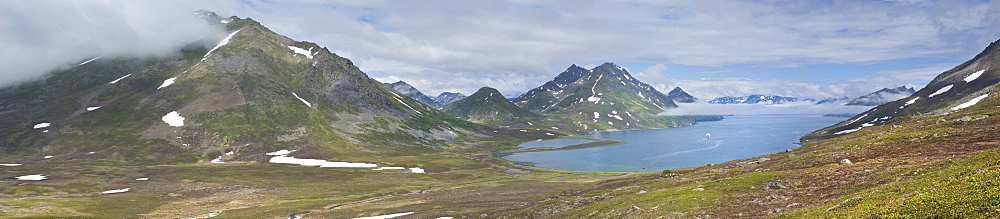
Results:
[252, 92]
[604, 98]
[967, 83]
[487, 105]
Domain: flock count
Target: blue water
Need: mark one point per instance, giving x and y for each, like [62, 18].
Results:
[735, 137]
[553, 143]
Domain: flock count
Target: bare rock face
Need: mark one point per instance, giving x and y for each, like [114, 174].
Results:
[776, 185]
[845, 161]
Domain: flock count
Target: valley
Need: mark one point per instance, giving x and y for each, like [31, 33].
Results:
[253, 124]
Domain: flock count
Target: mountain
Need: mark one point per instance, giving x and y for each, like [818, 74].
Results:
[604, 98]
[753, 99]
[410, 91]
[828, 100]
[934, 157]
[960, 87]
[250, 91]
[446, 98]
[772, 100]
[882, 96]
[678, 95]
[487, 105]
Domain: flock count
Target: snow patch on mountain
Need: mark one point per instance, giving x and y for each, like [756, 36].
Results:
[306, 53]
[91, 60]
[42, 125]
[174, 119]
[36, 177]
[942, 90]
[973, 76]
[221, 43]
[119, 79]
[317, 162]
[303, 100]
[971, 102]
[398, 98]
[116, 191]
[167, 82]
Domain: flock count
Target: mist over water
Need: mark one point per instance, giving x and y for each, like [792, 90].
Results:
[736, 137]
[701, 108]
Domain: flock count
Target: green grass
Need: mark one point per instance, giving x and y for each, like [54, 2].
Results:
[953, 188]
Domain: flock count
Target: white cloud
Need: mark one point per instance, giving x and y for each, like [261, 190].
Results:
[460, 46]
[517, 45]
[39, 36]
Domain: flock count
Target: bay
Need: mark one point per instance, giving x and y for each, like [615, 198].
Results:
[653, 150]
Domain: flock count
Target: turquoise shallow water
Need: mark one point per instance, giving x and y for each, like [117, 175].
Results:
[652, 150]
[552, 143]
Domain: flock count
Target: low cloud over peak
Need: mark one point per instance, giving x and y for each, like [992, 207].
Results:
[40, 36]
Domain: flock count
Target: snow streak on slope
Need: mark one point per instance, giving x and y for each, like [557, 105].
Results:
[942, 90]
[974, 101]
[119, 79]
[91, 60]
[42, 125]
[973, 76]
[221, 43]
[303, 100]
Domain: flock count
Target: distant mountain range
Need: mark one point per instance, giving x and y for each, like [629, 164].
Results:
[753, 99]
[446, 98]
[882, 96]
[412, 92]
[772, 100]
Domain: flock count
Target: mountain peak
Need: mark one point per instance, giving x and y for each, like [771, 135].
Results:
[489, 106]
[412, 92]
[882, 96]
[446, 98]
[678, 95]
[603, 98]
[488, 94]
[488, 90]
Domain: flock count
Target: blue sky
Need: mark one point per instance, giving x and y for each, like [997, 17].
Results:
[711, 47]
[854, 46]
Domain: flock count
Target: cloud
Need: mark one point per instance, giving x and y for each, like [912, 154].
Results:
[755, 109]
[517, 45]
[710, 88]
[460, 46]
[39, 36]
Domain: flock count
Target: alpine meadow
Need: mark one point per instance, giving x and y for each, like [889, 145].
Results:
[426, 109]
